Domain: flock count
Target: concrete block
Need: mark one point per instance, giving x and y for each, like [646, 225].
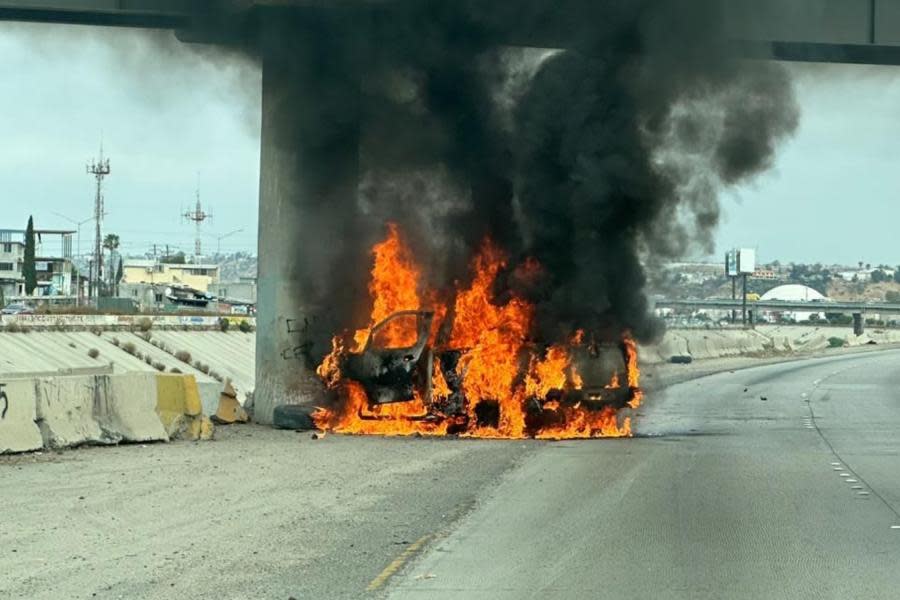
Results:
[65, 411]
[129, 408]
[209, 396]
[179, 408]
[199, 428]
[229, 409]
[18, 431]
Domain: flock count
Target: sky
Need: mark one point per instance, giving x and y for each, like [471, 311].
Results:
[174, 118]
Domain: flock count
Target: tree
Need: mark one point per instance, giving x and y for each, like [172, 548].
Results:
[29, 268]
[878, 276]
[119, 275]
[174, 259]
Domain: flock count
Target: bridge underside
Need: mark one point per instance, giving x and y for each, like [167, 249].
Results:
[837, 31]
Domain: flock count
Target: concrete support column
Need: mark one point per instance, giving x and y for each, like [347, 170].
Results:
[307, 194]
[859, 324]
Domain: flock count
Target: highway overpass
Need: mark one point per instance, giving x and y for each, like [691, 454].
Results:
[854, 31]
[295, 99]
[850, 308]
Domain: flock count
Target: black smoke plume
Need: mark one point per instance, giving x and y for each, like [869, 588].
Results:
[601, 152]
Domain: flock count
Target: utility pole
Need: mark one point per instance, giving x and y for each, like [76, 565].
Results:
[197, 216]
[99, 169]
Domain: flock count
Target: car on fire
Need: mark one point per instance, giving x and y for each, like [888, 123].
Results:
[402, 374]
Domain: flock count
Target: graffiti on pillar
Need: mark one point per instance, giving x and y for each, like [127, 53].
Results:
[302, 350]
[4, 400]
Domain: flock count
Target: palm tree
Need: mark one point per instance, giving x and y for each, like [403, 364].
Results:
[111, 243]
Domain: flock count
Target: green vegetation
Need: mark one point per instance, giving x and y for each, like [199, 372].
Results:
[93, 353]
[224, 324]
[29, 269]
[835, 342]
[183, 356]
[245, 327]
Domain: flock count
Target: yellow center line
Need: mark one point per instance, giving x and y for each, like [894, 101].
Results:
[398, 563]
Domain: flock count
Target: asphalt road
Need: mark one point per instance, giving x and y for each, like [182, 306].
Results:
[780, 481]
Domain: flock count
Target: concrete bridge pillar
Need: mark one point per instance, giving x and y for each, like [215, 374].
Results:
[859, 324]
[308, 180]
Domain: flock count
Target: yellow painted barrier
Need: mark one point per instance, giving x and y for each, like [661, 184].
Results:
[179, 408]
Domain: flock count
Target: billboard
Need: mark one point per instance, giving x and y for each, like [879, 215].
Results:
[731, 266]
[746, 260]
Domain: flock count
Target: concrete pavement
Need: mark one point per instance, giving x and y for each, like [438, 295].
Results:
[774, 482]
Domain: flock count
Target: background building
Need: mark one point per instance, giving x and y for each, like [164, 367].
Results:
[148, 271]
[56, 275]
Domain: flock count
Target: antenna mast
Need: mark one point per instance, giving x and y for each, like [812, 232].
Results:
[198, 216]
[99, 169]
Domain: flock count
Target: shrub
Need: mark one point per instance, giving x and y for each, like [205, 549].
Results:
[145, 324]
[183, 356]
[115, 341]
[97, 330]
[72, 345]
[13, 328]
[224, 324]
[245, 326]
[835, 342]
[129, 347]
[174, 370]
[93, 353]
[159, 366]
[202, 367]
[148, 360]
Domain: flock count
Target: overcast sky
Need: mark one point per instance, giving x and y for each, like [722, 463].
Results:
[167, 112]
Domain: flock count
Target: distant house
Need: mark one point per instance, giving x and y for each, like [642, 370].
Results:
[197, 276]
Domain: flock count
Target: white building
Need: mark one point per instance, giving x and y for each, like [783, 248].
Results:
[53, 262]
[797, 293]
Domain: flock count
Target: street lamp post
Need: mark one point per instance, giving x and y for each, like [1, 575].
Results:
[219, 239]
[78, 225]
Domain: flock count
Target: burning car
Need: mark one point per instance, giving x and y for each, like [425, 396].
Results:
[468, 364]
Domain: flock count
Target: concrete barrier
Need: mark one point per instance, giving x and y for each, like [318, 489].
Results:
[179, 407]
[65, 412]
[130, 408]
[18, 431]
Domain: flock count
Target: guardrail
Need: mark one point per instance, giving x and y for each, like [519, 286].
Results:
[123, 321]
[784, 305]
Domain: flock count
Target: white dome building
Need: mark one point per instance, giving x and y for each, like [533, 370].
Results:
[794, 292]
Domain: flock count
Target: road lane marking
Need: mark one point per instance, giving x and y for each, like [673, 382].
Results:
[398, 563]
[851, 480]
[895, 526]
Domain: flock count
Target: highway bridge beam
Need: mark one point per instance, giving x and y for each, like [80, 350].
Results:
[308, 184]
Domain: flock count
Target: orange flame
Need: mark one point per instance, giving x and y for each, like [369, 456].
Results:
[498, 363]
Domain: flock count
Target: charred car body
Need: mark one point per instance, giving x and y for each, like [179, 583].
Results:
[391, 375]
